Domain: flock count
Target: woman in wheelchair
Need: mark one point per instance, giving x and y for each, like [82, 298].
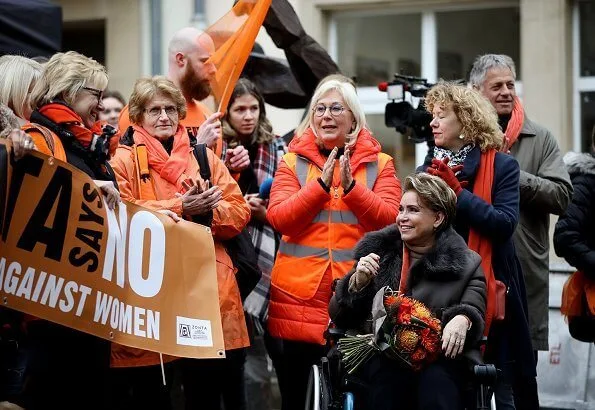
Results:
[443, 274]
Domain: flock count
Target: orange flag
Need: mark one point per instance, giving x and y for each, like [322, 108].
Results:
[234, 35]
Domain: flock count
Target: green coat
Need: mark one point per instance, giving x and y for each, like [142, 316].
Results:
[545, 189]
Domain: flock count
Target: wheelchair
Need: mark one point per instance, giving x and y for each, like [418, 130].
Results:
[331, 388]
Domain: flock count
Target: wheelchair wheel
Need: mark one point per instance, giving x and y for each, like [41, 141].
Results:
[317, 394]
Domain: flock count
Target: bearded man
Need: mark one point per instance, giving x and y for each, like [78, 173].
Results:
[190, 69]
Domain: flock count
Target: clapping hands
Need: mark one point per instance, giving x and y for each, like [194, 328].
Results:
[344, 169]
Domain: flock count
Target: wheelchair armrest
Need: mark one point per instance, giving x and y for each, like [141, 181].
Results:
[485, 374]
[334, 334]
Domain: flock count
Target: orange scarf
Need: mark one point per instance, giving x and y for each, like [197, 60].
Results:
[170, 167]
[515, 124]
[484, 181]
[404, 271]
[67, 118]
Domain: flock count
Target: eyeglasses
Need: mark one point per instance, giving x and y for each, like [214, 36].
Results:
[97, 93]
[335, 110]
[155, 112]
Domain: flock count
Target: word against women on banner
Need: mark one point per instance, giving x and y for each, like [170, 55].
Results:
[128, 275]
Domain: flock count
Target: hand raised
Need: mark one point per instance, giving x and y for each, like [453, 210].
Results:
[329, 168]
[209, 131]
[345, 170]
[366, 268]
[237, 159]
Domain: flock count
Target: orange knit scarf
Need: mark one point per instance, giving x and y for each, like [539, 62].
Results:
[482, 188]
[515, 124]
[170, 167]
[66, 117]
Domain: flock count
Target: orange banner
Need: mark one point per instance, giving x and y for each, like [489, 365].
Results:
[234, 35]
[130, 275]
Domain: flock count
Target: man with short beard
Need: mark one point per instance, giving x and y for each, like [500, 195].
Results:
[189, 51]
[545, 189]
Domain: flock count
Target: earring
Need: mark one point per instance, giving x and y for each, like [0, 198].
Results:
[461, 137]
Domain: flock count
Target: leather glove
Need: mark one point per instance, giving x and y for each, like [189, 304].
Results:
[366, 269]
[442, 170]
[454, 335]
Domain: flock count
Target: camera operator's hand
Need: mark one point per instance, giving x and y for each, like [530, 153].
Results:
[346, 177]
[329, 168]
[209, 131]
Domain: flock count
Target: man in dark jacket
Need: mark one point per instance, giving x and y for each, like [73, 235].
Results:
[545, 186]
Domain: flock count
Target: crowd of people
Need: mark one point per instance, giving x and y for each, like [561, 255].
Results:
[338, 226]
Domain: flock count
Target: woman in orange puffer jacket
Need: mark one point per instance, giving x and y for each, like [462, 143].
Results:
[333, 186]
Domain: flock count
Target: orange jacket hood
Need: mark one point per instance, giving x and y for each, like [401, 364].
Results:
[366, 148]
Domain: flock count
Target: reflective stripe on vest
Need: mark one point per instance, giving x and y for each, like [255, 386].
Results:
[303, 251]
[325, 216]
[301, 170]
[345, 216]
[336, 217]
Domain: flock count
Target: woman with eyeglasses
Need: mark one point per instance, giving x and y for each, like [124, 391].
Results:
[68, 369]
[171, 183]
[332, 187]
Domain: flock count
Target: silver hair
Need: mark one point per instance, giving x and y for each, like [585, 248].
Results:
[486, 62]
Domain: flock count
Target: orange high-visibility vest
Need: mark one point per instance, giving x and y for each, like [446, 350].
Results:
[328, 240]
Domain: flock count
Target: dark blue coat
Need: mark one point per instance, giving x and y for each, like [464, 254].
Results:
[498, 222]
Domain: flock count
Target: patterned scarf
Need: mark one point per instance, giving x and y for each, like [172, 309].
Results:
[264, 238]
[456, 158]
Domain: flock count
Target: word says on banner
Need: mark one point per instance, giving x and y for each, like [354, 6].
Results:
[128, 275]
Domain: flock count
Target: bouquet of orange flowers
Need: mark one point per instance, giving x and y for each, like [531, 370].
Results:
[404, 330]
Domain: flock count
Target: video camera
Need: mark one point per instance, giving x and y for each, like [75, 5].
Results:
[414, 122]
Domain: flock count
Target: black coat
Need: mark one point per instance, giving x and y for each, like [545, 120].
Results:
[574, 238]
[498, 221]
[448, 280]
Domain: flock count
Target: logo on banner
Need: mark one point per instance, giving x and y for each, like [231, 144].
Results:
[194, 332]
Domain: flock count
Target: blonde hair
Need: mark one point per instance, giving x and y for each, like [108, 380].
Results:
[64, 76]
[475, 113]
[17, 75]
[435, 194]
[346, 88]
[147, 88]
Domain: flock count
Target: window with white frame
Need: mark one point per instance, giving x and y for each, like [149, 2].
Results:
[433, 44]
[585, 70]
[462, 36]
